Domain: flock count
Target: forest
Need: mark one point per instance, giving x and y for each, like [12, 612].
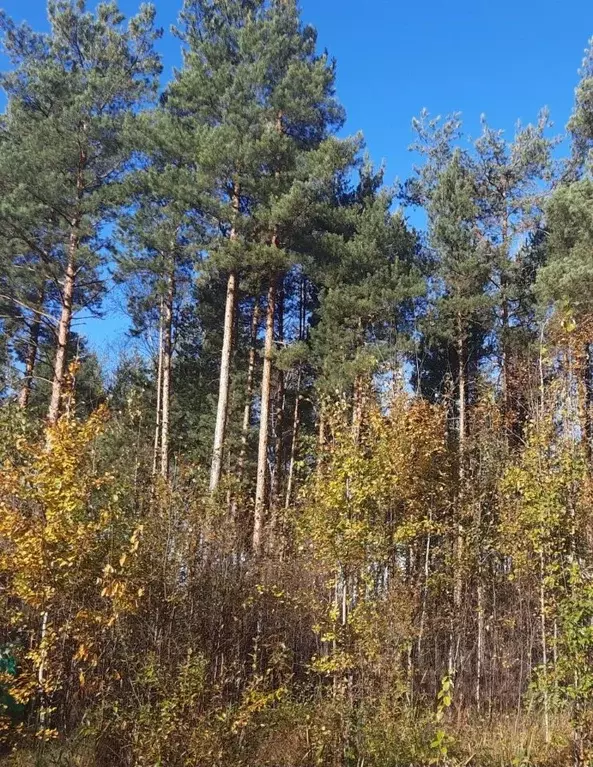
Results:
[332, 505]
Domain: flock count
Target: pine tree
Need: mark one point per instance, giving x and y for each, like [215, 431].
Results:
[259, 99]
[213, 97]
[511, 180]
[368, 274]
[70, 93]
[514, 179]
[161, 235]
[580, 125]
[463, 322]
[30, 273]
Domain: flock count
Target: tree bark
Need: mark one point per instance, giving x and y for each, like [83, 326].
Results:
[461, 437]
[225, 363]
[296, 419]
[480, 639]
[224, 383]
[462, 400]
[262, 454]
[248, 392]
[159, 391]
[64, 327]
[65, 322]
[31, 358]
[167, 355]
[279, 408]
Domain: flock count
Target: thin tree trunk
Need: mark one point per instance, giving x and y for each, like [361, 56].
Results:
[31, 359]
[262, 454]
[461, 353]
[424, 593]
[64, 328]
[296, 420]
[321, 432]
[542, 615]
[225, 364]
[167, 355]
[248, 392]
[480, 648]
[224, 383]
[506, 395]
[41, 671]
[357, 408]
[279, 407]
[159, 390]
[296, 417]
[479, 609]
[459, 546]
[589, 401]
[584, 397]
[504, 306]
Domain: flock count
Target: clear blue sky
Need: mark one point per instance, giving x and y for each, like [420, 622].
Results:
[505, 59]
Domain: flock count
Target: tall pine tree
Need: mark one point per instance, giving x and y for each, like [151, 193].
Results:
[70, 93]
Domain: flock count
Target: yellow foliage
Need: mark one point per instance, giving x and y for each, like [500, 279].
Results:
[61, 571]
[382, 490]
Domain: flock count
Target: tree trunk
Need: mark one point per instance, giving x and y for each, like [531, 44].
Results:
[64, 328]
[459, 545]
[225, 363]
[167, 355]
[462, 401]
[584, 397]
[296, 419]
[224, 383]
[357, 408]
[506, 235]
[589, 402]
[544, 642]
[248, 392]
[480, 640]
[262, 454]
[41, 670]
[159, 391]
[31, 359]
[505, 372]
[279, 408]
[425, 587]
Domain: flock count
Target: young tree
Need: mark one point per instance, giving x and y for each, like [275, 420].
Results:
[513, 179]
[368, 275]
[161, 235]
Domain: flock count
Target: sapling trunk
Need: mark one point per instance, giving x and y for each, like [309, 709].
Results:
[167, 357]
[262, 453]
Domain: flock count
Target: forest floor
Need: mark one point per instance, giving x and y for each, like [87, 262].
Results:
[507, 741]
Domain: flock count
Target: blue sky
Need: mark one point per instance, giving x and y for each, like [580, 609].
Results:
[506, 59]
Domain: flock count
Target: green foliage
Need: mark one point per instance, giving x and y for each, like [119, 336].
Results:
[566, 279]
